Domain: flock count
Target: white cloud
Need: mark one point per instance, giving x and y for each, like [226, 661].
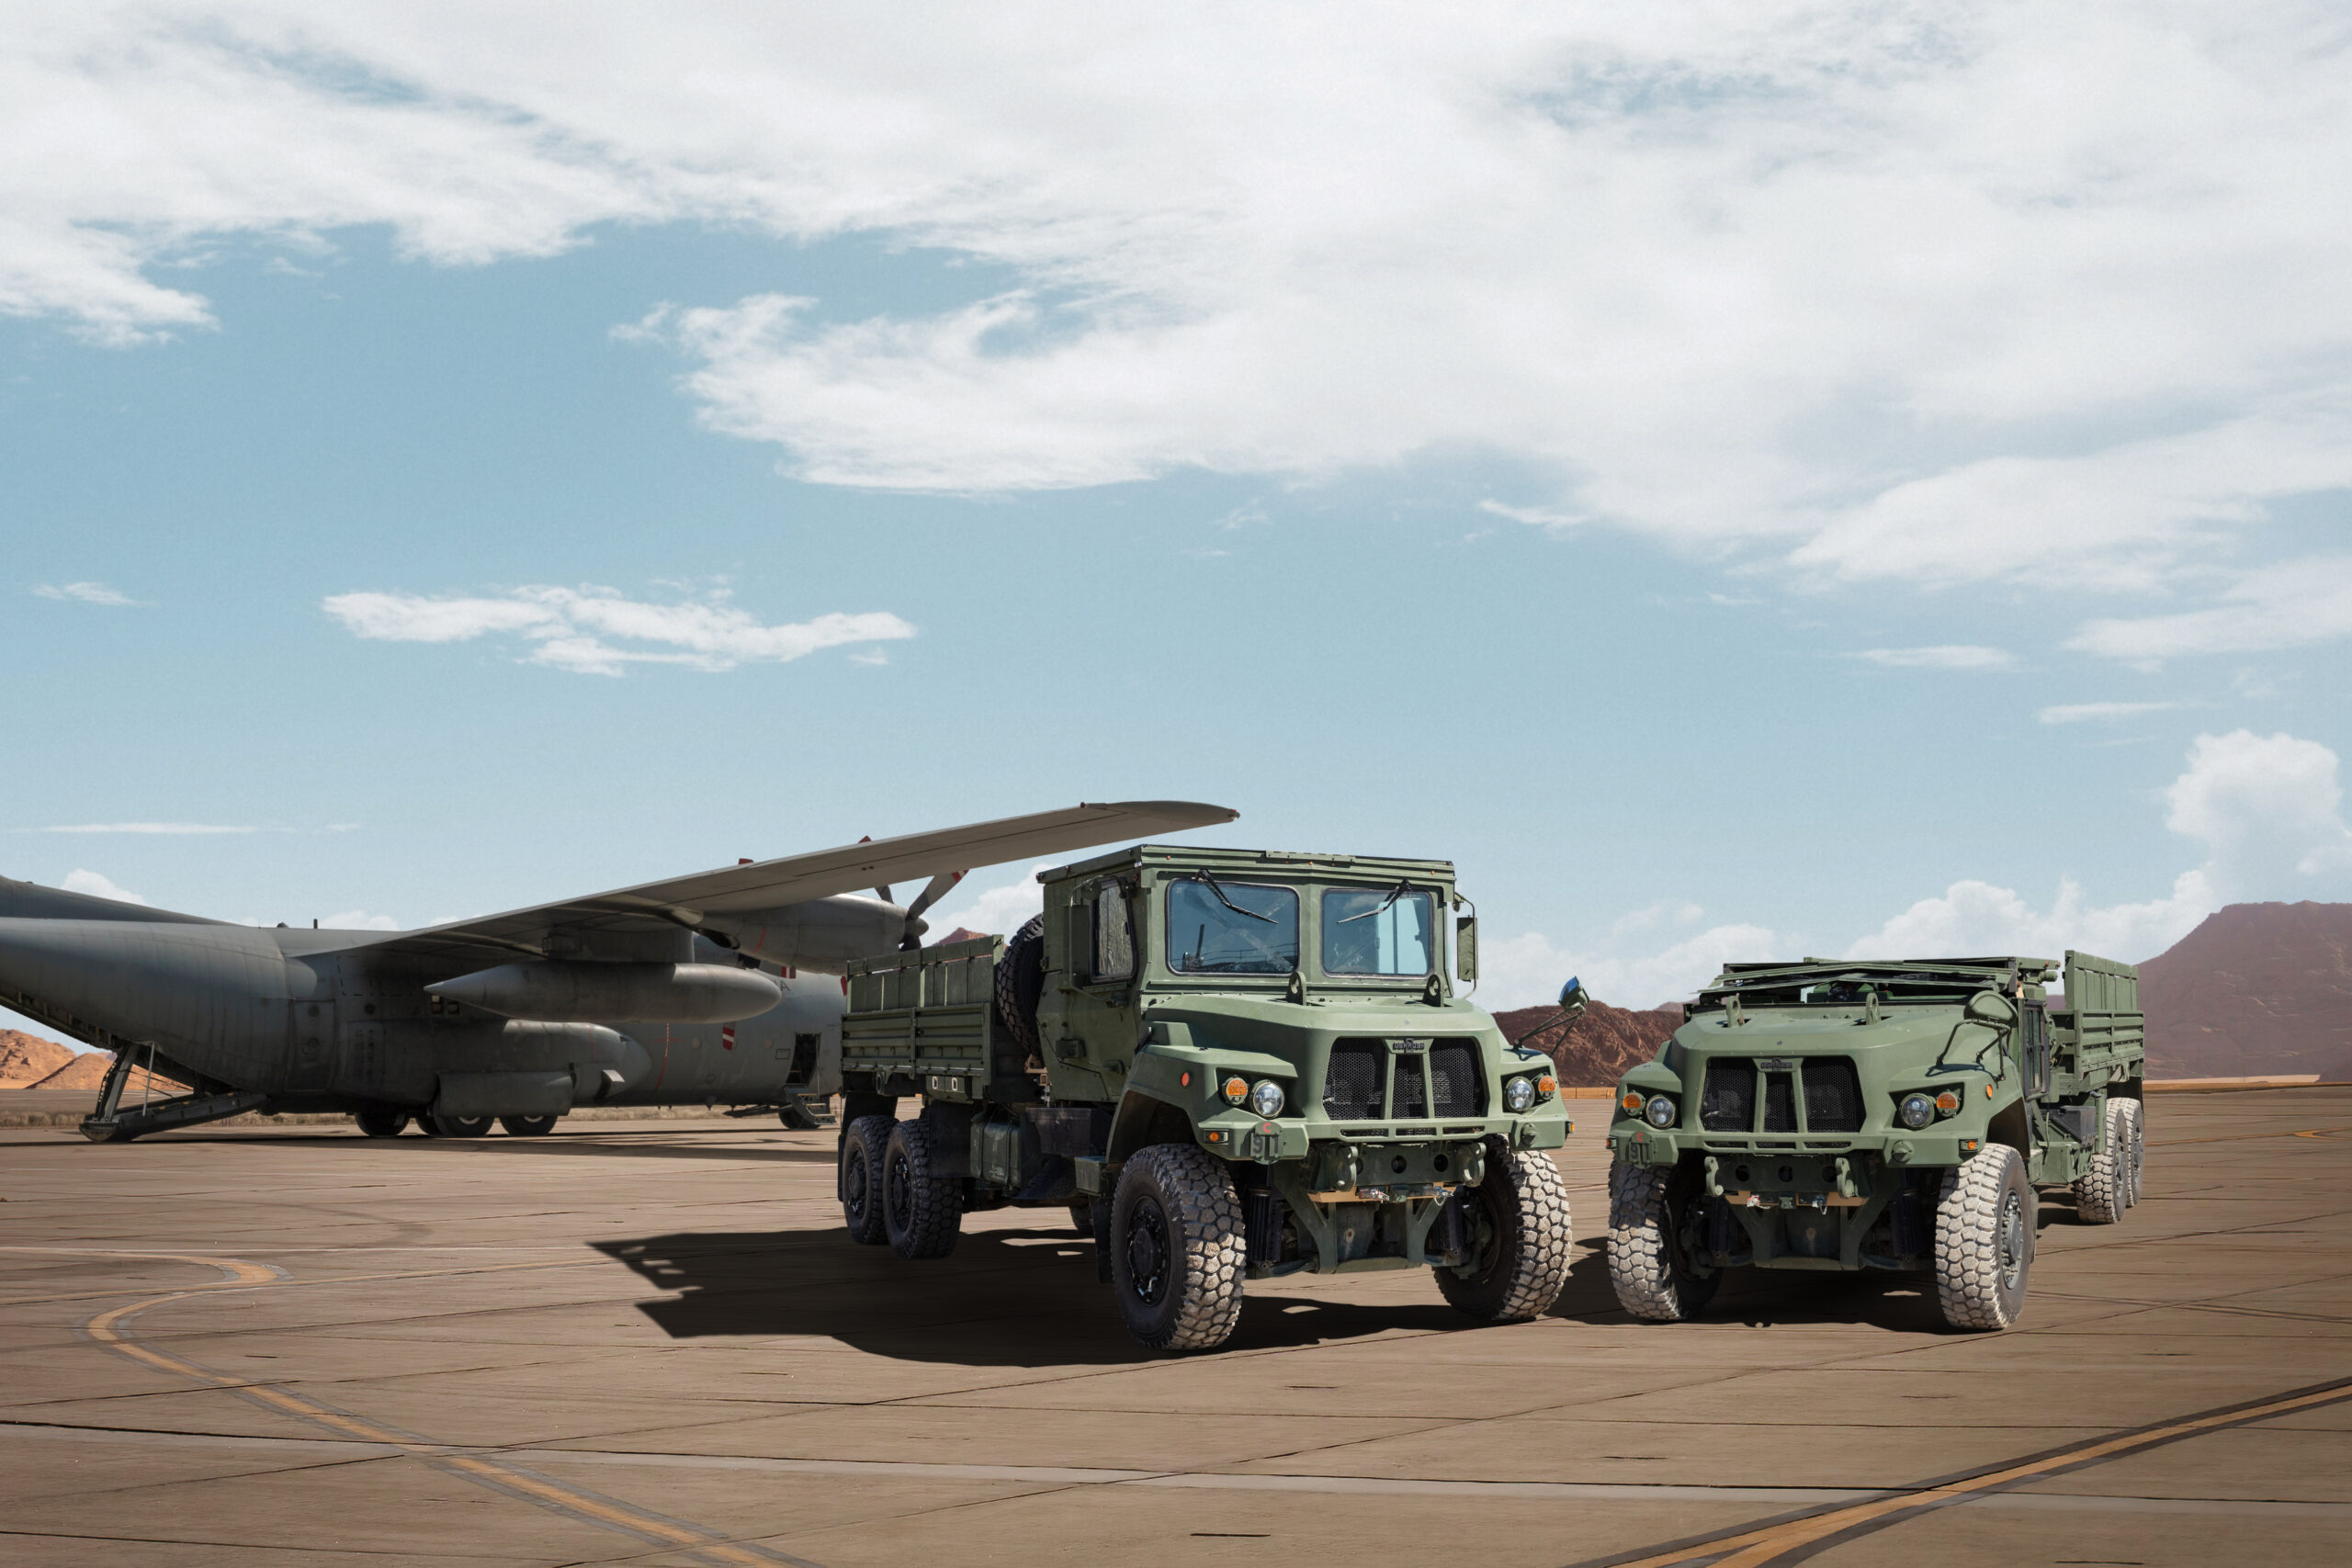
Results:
[2267, 811]
[161, 830]
[358, 920]
[568, 629]
[1945, 656]
[97, 887]
[1523, 971]
[2292, 605]
[998, 910]
[2017, 294]
[2083, 713]
[84, 592]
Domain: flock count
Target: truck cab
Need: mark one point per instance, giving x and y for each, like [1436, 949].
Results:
[1227, 1065]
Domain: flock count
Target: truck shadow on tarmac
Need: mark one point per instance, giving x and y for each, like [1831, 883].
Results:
[1010, 1298]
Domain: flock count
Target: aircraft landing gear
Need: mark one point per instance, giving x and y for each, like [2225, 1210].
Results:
[528, 1126]
[439, 1126]
[382, 1123]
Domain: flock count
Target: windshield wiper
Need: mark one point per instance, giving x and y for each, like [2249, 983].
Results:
[1386, 904]
[1229, 903]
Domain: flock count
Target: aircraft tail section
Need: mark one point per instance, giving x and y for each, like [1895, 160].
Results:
[31, 901]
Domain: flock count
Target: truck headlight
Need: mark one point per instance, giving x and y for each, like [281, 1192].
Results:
[1519, 1094]
[1266, 1099]
[1916, 1110]
[1659, 1112]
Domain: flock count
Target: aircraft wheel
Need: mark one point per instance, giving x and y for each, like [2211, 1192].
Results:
[528, 1126]
[455, 1126]
[921, 1212]
[1520, 1239]
[382, 1123]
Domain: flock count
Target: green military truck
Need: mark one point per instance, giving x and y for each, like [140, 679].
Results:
[1227, 1064]
[1844, 1116]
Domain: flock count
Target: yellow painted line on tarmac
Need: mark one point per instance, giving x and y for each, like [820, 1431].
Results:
[1789, 1539]
[289, 1285]
[108, 1329]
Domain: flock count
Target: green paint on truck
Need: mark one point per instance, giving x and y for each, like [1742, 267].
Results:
[1840, 1116]
[1227, 1064]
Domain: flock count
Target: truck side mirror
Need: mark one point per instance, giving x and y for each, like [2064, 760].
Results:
[1572, 998]
[1992, 1009]
[1466, 947]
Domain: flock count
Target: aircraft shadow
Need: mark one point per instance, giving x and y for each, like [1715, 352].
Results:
[1025, 1298]
[633, 1143]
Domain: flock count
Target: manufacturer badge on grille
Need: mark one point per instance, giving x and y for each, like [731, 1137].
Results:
[1777, 1063]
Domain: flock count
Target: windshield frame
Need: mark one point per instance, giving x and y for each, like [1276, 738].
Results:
[1385, 900]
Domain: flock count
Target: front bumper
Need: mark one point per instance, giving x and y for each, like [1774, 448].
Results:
[1637, 1143]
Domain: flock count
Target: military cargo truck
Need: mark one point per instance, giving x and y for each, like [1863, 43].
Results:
[1227, 1065]
[1842, 1116]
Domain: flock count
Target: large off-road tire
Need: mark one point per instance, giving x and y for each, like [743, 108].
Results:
[860, 1185]
[528, 1126]
[382, 1123]
[1020, 982]
[455, 1126]
[1984, 1219]
[2104, 1192]
[1647, 1267]
[1179, 1249]
[1517, 1221]
[922, 1210]
[2135, 1147]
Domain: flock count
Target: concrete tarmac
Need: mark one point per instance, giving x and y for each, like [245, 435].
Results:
[651, 1343]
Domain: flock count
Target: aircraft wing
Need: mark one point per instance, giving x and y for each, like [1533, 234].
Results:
[711, 899]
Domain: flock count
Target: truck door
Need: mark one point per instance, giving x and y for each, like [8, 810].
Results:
[2033, 1042]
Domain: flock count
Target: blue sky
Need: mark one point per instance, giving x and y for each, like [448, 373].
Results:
[1730, 499]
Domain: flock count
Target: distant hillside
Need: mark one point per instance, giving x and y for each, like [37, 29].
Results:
[26, 1059]
[88, 1073]
[1595, 1051]
[2256, 990]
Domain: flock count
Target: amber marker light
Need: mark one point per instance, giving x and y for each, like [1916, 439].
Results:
[1237, 1089]
[1948, 1102]
[1631, 1102]
[1547, 1086]
[1184, 1078]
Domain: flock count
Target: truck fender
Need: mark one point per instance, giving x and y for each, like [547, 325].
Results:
[2009, 1127]
[1143, 1120]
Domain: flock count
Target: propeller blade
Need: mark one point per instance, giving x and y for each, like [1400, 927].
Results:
[929, 894]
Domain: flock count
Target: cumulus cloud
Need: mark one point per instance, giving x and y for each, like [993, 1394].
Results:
[2085, 713]
[2293, 604]
[98, 886]
[84, 592]
[1524, 970]
[358, 920]
[2267, 809]
[585, 630]
[998, 910]
[1946, 656]
[2020, 295]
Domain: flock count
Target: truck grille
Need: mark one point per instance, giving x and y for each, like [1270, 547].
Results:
[1461, 1087]
[1727, 1100]
[1832, 1095]
[1356, 1086]
[1352, 1085]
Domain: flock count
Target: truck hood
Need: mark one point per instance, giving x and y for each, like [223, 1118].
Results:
[1279, 1028]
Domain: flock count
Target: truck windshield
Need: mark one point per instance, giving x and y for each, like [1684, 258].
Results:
[1377, 933]
[1251, 929]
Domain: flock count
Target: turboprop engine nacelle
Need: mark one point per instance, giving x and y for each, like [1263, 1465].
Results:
[561, 992]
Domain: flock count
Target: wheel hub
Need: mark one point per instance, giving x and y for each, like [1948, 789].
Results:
[2013, 1239]
[1148, 1252]
[854, 1185]
[898, 1191]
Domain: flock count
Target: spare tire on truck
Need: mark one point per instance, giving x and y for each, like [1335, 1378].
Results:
[1020, 982]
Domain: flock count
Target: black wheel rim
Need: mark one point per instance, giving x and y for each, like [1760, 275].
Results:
[2012, 1240]
[1148, 1252]
[898, 1190]
[854, 1185]
[1481, 1236]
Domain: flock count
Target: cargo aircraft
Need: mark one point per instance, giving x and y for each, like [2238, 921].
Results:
[718, 987]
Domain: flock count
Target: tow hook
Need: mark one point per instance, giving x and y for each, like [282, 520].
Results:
[1714, 1186]
[1846, 1188]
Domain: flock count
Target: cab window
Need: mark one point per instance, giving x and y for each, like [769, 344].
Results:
[1367, 932]
[1231, 928]
[1115, 936]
